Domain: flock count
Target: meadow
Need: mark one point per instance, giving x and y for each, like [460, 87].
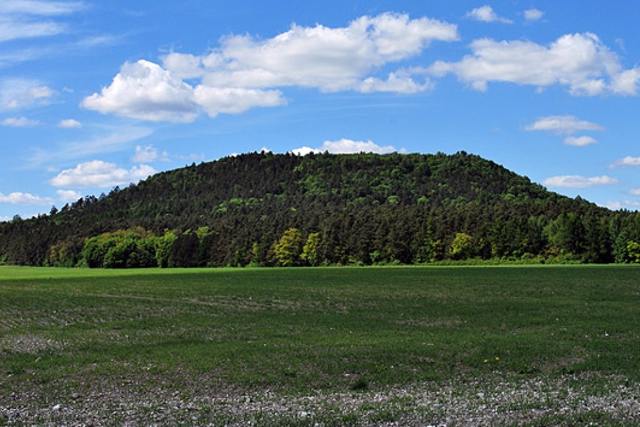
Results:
[532, 345]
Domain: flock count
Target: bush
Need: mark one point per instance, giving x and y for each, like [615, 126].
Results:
[134, 248]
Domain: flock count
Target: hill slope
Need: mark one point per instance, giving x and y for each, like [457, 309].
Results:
[362, 208]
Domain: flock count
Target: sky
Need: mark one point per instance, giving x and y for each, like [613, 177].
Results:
[99, 93]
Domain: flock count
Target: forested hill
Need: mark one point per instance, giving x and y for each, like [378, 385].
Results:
[282, 209]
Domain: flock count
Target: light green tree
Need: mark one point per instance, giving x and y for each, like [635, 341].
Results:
[633, 251]
[164, 247]
[310, 250]
[461, 246]
[288, 249]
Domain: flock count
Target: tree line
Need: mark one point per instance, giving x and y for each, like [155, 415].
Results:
[323, 209]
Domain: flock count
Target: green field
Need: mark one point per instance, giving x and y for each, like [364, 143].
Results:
[334, 346]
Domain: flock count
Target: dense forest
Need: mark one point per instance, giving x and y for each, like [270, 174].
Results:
[323, 209]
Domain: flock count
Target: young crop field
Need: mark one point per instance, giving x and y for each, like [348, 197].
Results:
[538, 345]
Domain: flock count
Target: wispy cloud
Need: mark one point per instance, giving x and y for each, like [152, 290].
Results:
[25, 19]
[40, 7]
[19, 122]
[149, 154]
[577, 181]
[564, 125]
[85, 44]
[69, 124]
[19, 93]
[114, 139]
[627, 161]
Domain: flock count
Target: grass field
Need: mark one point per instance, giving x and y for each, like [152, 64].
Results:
[332, 346]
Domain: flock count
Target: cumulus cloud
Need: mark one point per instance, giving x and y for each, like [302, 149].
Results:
[184, 65]
[216, 100]
[626, 82]
[19, 122]
[578, 61]
[243, 72]
[16, 94]
[19, 198]
[68, 195]
[329, 59]
[533, 14]
[346, 146]
[101, 174]
[144, 90]
[148, 154]
[577, 181]
[580, 141]
[487, 14]
[69, 124]
[627, 161]
[563, 125]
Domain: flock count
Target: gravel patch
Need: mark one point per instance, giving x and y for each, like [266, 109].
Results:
[28, 344]
[569, 399]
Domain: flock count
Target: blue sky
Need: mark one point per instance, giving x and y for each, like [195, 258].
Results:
[98, 93]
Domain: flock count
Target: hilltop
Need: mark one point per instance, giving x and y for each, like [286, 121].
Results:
[283, 209]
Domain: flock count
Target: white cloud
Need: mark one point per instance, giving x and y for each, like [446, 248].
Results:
[635, 191]
[19, 122]
[40, 7]
[68, 195]
[244, 72]
[144, 90]
[330, 59]
[19, 198]
[17, 94]
[13, 29]
[626, 83]
[18, 18]
[115, 139]
[183, 65]
[487, 14]
[633, 205]
[563, 125]
[579, 61]
[580, 141]
[216, 100]
[54, 50]
[346, 146]
[69, 124]
[98, 173]
[533, 14]
[148, 154]
[577, 181]
[627, 161]
[400, 81]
